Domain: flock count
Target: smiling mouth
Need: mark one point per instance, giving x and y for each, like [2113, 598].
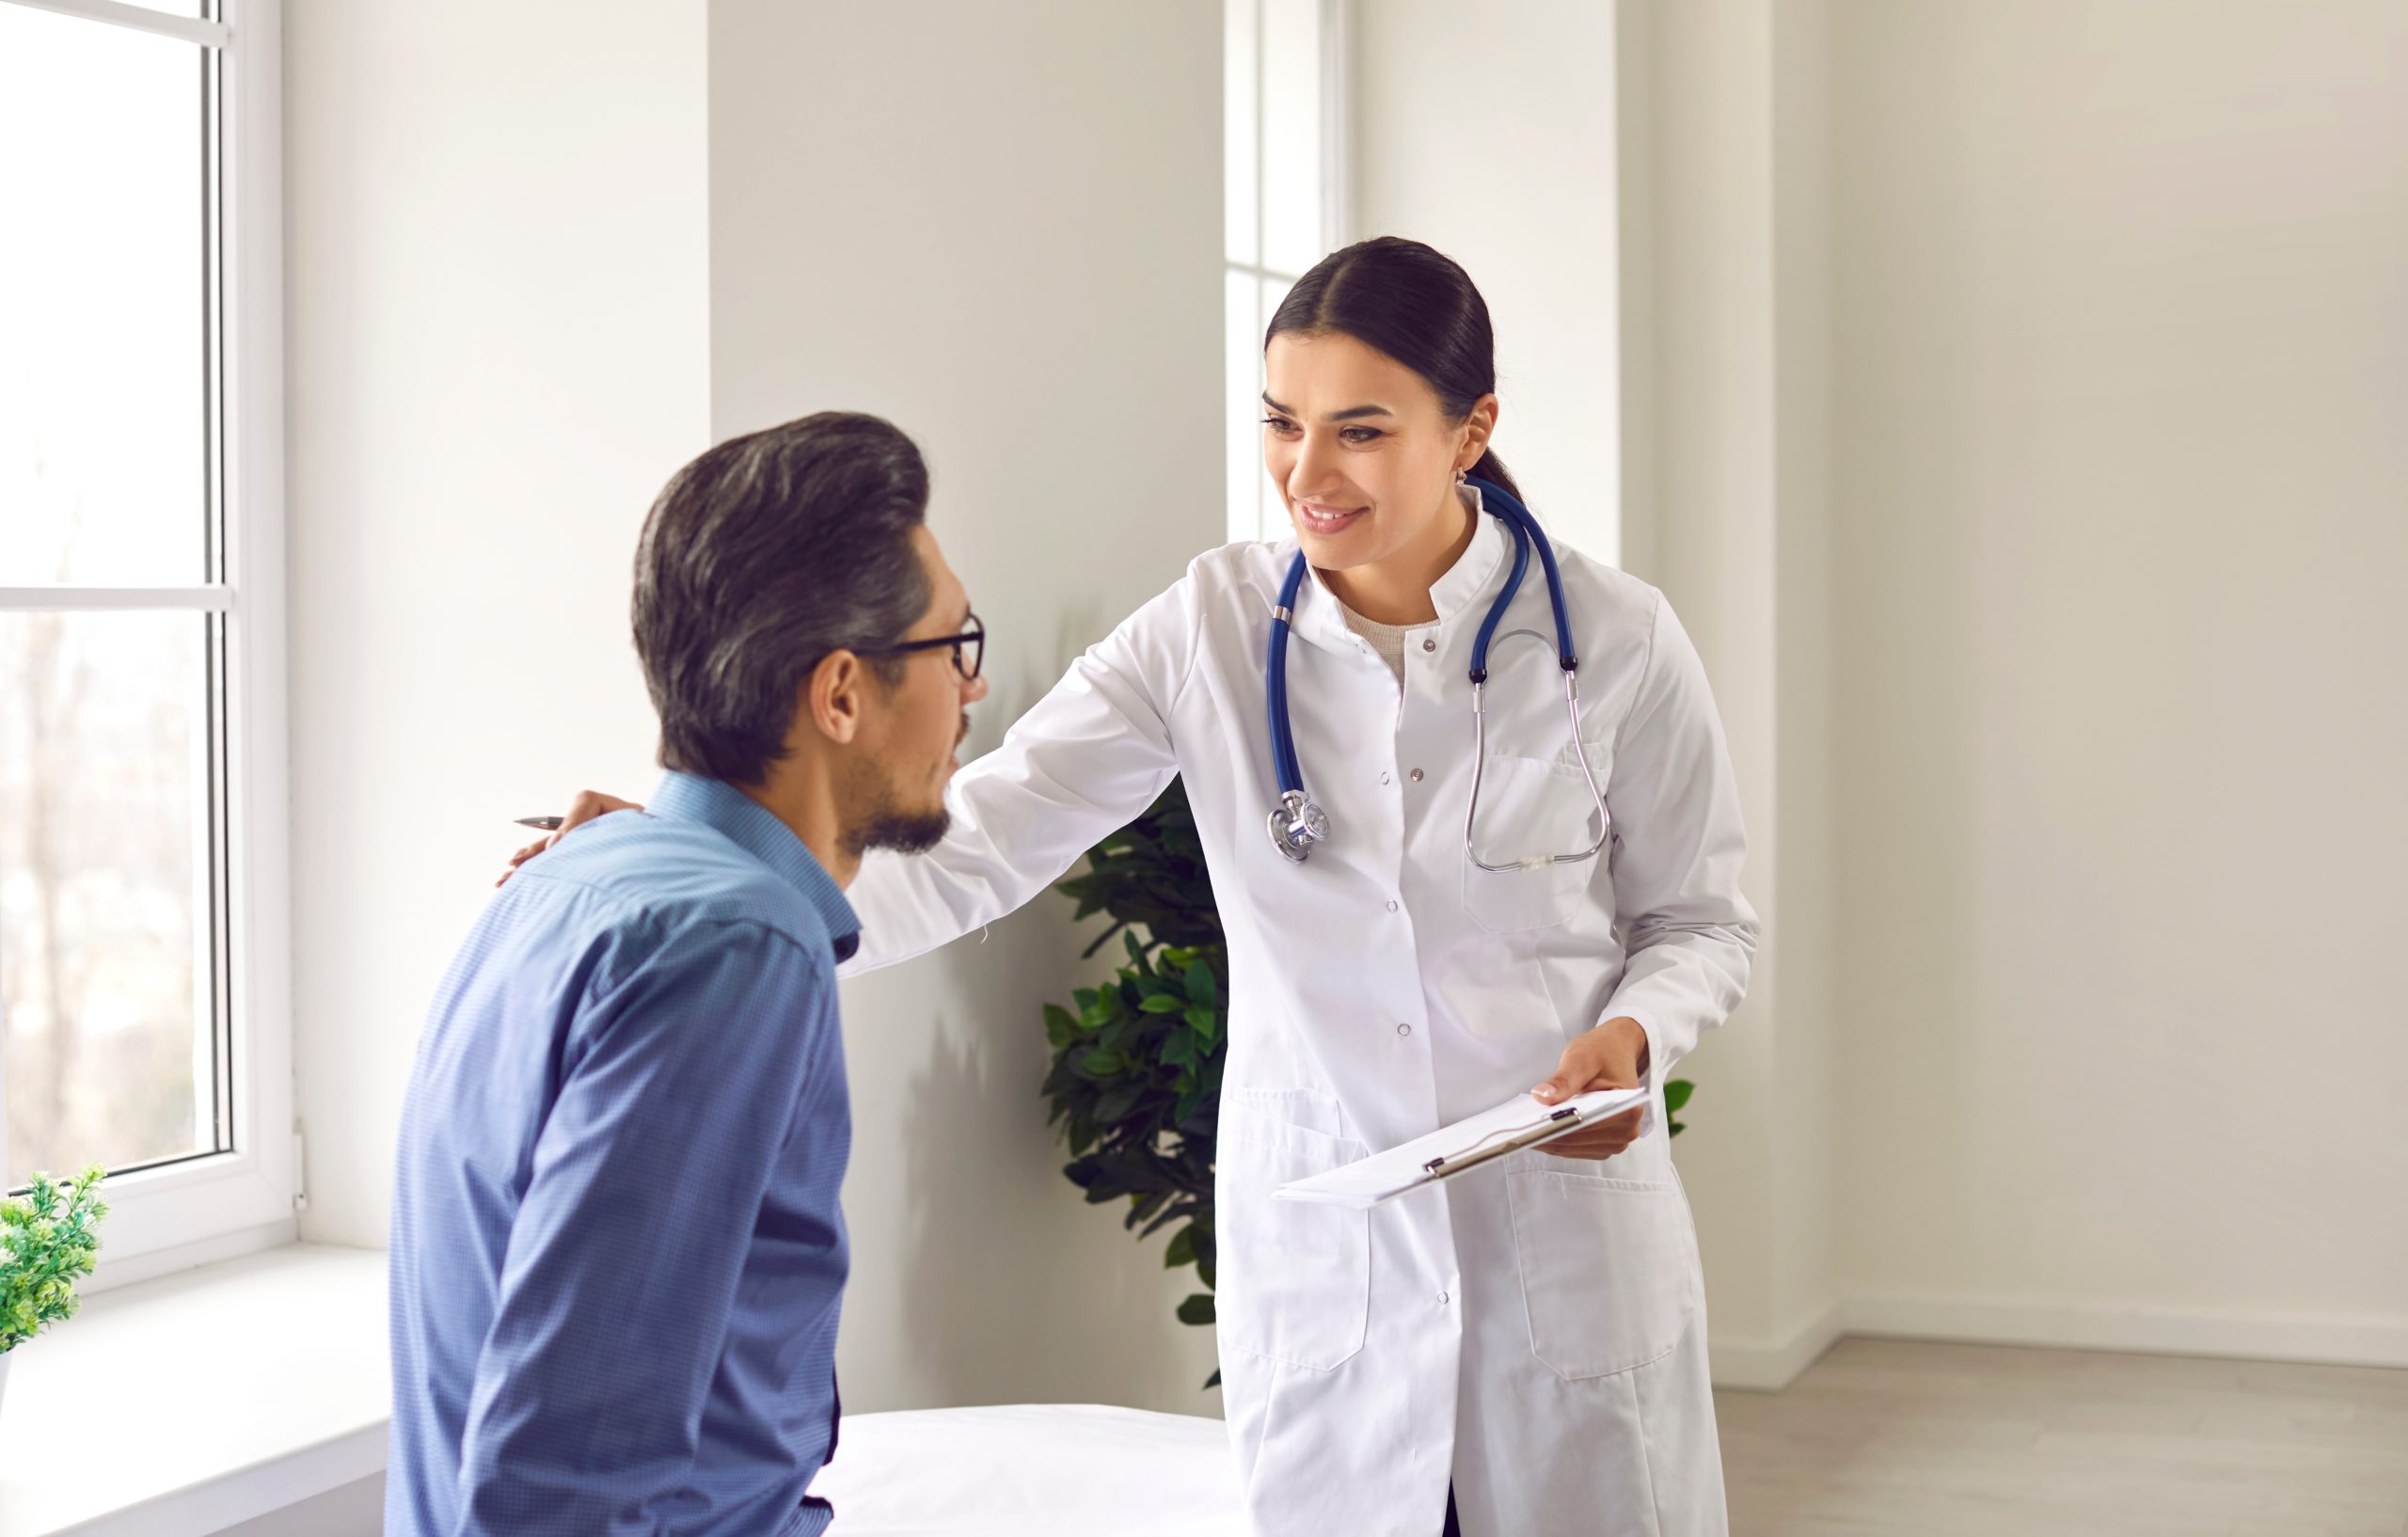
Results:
[1324, 520]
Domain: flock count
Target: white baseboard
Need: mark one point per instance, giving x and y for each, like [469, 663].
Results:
[2147, 1331]
[1770, 1366]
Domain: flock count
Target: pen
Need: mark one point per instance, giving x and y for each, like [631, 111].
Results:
[547, 823]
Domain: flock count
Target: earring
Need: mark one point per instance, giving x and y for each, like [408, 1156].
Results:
[1462, 475]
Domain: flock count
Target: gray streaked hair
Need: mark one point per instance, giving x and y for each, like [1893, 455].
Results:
[758, 559]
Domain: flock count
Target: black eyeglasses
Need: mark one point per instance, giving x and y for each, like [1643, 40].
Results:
[969, 648]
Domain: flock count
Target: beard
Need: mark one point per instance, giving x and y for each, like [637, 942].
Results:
[905, 832]
[883, 821]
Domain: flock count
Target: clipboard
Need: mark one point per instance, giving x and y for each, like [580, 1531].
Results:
[1519, 1123]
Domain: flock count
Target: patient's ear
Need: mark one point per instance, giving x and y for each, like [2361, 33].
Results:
[833, 698]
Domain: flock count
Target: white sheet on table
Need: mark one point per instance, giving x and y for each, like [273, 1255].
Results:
[1032, 1470]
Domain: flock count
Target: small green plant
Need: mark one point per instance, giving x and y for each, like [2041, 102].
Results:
[1136, 1077]
[48, 1237]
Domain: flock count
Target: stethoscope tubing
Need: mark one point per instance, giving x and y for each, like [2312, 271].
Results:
[1296, 824]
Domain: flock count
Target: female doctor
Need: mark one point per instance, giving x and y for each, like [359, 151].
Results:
[1522, 1350]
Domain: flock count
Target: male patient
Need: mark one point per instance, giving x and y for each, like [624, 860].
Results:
[616, 1249]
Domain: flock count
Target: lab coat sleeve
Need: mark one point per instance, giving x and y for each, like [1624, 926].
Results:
[1083, 762]
[1679, 845]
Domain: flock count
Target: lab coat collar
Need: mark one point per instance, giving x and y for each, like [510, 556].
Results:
[1465, 586]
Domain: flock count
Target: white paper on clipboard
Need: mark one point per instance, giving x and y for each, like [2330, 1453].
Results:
[1519, 1122]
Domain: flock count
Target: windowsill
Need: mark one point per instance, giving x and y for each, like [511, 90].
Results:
[198, 1401]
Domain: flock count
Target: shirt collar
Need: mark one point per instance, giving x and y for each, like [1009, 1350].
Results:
[1471, 580]
[751, 827]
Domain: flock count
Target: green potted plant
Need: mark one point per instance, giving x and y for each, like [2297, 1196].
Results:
[1135, 1083]
[48, 1237]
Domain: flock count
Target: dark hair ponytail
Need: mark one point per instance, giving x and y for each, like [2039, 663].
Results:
[1404, 299]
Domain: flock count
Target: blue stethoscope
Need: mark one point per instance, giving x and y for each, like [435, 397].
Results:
[1297, 823]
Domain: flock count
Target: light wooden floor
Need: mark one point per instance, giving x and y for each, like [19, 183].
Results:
[1888, 1438]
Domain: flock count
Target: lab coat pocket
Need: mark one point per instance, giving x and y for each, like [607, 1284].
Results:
[1528, 806]
[1295, 1278]
[1609, 1268]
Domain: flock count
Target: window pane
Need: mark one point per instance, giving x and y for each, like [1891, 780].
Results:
[1243, 371]
[1292, 148]
[1270, 510]
[105, 969]
[102, 403]
[1240, 127]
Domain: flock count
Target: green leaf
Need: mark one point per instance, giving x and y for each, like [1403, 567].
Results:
[1677, 1093]
[1205, 1023]
[1060, 1028]
[1197, 1309]
[1164, 1003]
[1201, 988]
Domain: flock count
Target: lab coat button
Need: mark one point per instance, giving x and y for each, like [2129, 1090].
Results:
[1442, 1299]
[1429, 643]
[1384, 776]
[1416, 776]
[1391, 904]
[1404, 1029]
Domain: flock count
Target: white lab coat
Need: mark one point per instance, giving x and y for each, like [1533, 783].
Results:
[1534, 1331]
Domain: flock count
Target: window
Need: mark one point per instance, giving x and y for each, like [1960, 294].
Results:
[142, 978]
[1284, 180]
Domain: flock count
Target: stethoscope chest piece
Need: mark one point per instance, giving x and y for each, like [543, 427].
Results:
[1296, 825]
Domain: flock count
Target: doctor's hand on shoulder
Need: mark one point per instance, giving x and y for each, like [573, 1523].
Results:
[1613, 1056]
[587, 806]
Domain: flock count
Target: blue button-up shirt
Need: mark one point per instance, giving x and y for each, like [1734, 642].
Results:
[616, 1249]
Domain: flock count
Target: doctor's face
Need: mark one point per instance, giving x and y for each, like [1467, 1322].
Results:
[1361, 450]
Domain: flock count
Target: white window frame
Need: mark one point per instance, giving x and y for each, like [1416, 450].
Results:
[1250, 507]
[220, 1204]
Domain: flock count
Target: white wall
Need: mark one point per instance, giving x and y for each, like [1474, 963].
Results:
[1000, 227]
[1724, 485]
[1805, 1068]
[496, 337]
[1488, 132]
[2011, 410]
[2120, 477]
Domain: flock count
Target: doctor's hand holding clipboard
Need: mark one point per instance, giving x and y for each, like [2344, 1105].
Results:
[1613, 1056]
[1503, 849]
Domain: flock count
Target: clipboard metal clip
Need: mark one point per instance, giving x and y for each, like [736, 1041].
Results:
[1516, 1139]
